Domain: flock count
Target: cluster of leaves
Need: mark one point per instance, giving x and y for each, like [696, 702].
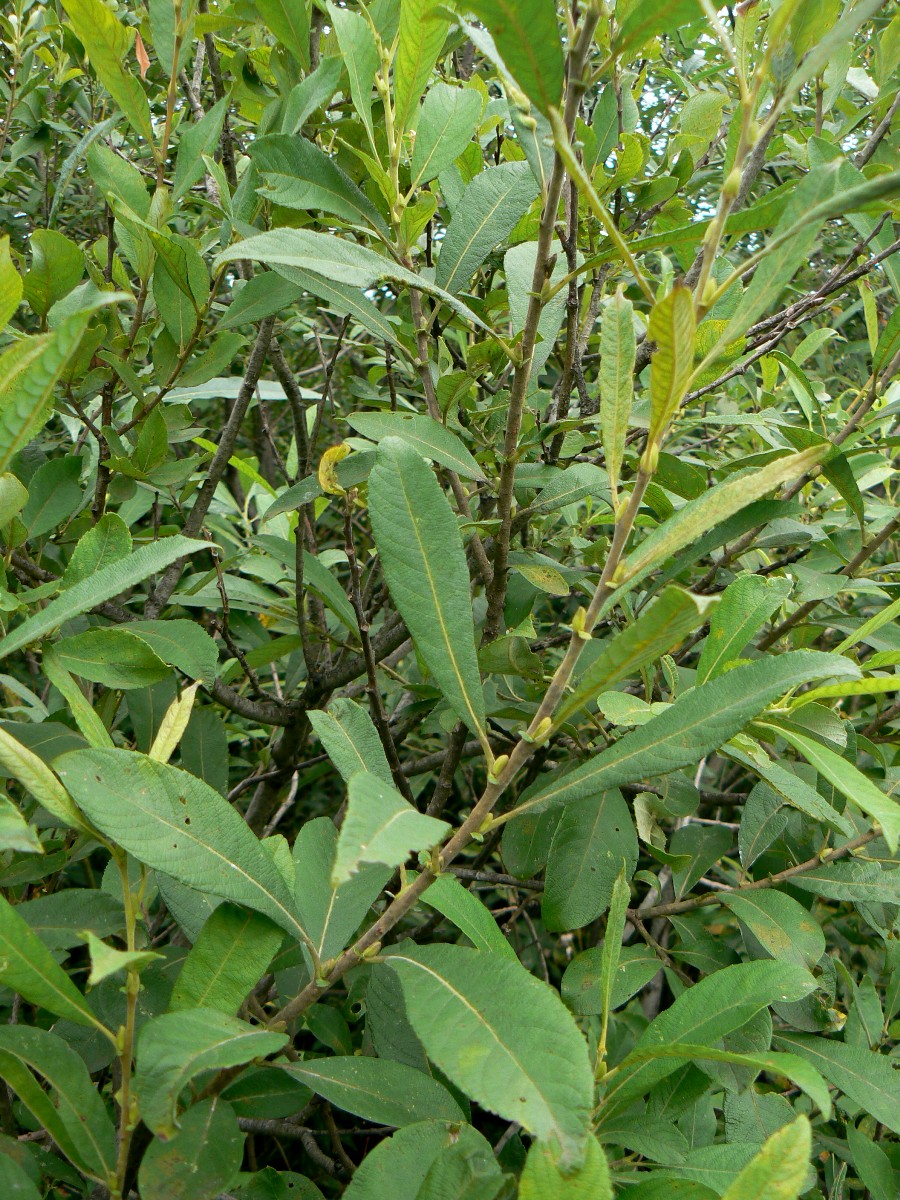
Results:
[449, 522]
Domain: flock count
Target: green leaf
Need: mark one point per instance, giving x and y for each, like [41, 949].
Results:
[105, 543]
[573, 483]
[15, 832]
[57, 266]
[377, 1089]
[399, 1167]
[27, 967]
[857, 882]
[34, 775]
[871, 1164]
[672, 327]
[182, 644]
[361, 59]
[113, 656]
[422, 35]
[745, 606]
[491, 207]
[543, 1178]
[106, 583]
[339, 261]
[503, 1037]
[201, 1159]
[657, 630]
[527, 37]
[11, 282]
[697, 723]
[108, 45]
[73, 1112]
[714, 1007]
[444, 129]
[107, 960]
[594, 840]
[330, 915]
[612, 947]
[424, 564]
[13, 497]
[86, 718]
[29, 371]
[226, 961]
[866, 1077]
[850, 781]
[617, 353]
[288, 20]
[196, 140]
[432, 439]
[646, 18]
[294, 497]
[176, 1047]
[15, 1182]
[718, 504]
[173, 822]
[379, 826]
[784, 928]
[779, 1170]
[297, 174]
[448, 897]
[350, 740]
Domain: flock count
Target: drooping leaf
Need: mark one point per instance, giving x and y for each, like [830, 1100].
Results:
[174, 822]
[778, 1171]
[431, 438]
[672, 328]
[424, 563]
[378, 1090]
[698, 722]
[646, 18]
[380, 827]
[525, 34]
[113, 656]
[176, 1047]
[444, 129]
[617, 353]
[780, 924]
[422, 34]
[448, 897]
[289, 21]
[865, 1076]
[745, 605]
[501, 1036]
[351, 741]
[34, 775]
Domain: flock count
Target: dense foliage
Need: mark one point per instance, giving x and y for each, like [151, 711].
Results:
[449, 661]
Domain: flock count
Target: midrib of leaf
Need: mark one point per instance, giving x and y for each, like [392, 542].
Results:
[223, 960]
[445, 983]
[436, 145]
[451, 653]
[865, 1080]
[511, 12]
[15, 952]
[449, 282]
[347, 198]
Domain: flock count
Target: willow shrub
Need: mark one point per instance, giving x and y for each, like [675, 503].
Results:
[449, 521]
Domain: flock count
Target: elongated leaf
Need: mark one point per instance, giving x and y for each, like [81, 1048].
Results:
[422, 34]
[107, 582]
[431, 438]
[698, 722]
[572, 484]
[73, 1113]
[444, 129]
[361, 59]
[297, 174]
[542, 1176]
[115, 657]
[15, 1181]
[746, 604]
[228, 959]
[796, 791]
[778, 1171]
[594, 840]
[721, 502]
[202, 1157]
[612, 945]
[448, 897]
[108, 45]
[400, 1166]
[174, 1048]
[491, 207]
[196, 140]
[704, 1013]
[344, 299]
[29, 371]
[351, 740]
[617, 352]
[646, 18]
[780, 924]
[289, 21]
[15, 832]
[865, 1076]
[502, 1037]
[658, 629]
[27, 967]
[178, 824]
[850, 781]
[34, 775]
[672, 327]
[380, 827]
[527, 37]
[11, 281]
[338, 261]
[330, 915]
[378, 1090]
[425, 567]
